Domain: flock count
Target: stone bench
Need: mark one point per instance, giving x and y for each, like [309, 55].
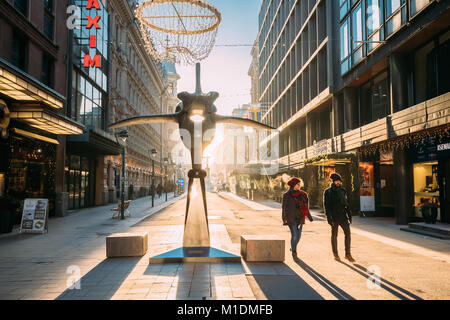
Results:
[127, 245]
[262, 248]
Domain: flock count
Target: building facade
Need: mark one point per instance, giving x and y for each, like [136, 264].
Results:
[358, 87]
[139, 85]
[33, 102]
[89, 104]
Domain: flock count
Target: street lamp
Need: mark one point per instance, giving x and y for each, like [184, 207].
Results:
[153, 153]
[123, 135]
[174, 166]
[166, 161]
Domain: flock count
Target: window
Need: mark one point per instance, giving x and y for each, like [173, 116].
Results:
[357, 34]
[375, 101]
[345, 46]
[374, 21]
[19, 51]
[417, 5]
[431, 68]
[48, 19]
[47, 70]
[21, 6]
[395, 15]
[344, 8]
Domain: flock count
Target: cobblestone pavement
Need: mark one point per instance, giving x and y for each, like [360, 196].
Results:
[406, 265]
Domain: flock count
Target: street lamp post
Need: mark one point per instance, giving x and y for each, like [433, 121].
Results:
[123, 135]
[166, 161]
[153, 153]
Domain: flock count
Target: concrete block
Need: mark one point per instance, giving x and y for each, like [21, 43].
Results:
[262, 248]
[127, 244]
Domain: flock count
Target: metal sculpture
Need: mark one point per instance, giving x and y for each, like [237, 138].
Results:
[195, 113]
[178, 30]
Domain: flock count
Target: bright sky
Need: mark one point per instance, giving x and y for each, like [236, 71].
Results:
[225, 70]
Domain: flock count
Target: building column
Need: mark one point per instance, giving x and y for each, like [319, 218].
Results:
[100, 188]
[338, 115]
[404, 186]
[61, 197]
[351, 113]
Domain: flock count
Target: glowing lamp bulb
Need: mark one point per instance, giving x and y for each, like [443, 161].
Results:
[197, 118]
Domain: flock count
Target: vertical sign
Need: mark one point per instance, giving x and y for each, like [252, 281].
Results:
[366, 187]
[92, 22]
[34, 216]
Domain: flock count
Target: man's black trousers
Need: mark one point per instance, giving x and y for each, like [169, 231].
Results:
[334, 233]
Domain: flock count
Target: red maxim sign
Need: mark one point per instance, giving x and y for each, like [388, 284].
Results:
[88, 61]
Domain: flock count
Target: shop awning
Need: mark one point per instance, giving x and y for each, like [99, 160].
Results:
[94, 140]
[44, 120]
[19, 86]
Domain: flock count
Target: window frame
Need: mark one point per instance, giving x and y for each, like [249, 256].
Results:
[387, 19]
[49, 14]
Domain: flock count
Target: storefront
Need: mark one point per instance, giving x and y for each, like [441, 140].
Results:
[31, 141]
[431, 174]
[376, 181]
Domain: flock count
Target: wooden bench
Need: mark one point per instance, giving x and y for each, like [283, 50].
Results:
[127, 244]
[116, 211]
[262, 248]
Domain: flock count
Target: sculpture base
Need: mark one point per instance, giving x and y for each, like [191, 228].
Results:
[195, 254]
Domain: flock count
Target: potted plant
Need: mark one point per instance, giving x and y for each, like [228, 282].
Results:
[428, 210]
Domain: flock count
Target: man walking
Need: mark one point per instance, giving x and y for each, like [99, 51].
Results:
[338, 214]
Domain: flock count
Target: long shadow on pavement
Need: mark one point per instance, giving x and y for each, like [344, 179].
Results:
[327, 284]
[395, 290]
[102, 281]
[288, 285]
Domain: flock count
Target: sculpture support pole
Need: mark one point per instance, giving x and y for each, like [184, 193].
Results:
[196, 229]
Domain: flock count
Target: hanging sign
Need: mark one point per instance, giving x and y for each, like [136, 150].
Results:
[34, 216]
[366, 187]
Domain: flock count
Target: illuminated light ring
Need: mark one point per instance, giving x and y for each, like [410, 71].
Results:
[197, 3]
[174, 38]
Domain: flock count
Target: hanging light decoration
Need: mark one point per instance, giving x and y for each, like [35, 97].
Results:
[178, 30]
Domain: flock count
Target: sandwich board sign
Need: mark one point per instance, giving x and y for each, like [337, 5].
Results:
[34, 216]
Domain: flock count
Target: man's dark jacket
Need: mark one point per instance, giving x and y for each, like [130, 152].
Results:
[336, 205]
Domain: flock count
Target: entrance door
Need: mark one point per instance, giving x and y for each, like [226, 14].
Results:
[444, 188]
[77, 177]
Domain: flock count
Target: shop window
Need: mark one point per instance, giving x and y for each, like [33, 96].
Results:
[426, 187]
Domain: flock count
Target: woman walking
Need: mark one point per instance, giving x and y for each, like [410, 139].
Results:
[295, 208]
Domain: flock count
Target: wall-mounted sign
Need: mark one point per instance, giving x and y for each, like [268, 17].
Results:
[366, 187]
[34, 216]
[2, 184]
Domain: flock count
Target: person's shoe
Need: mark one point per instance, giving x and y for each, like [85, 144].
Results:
[349, 258]
[294, 255]
[336, 257]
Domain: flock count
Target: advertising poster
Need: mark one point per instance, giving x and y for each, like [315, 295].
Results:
[34, 216]
[367, 186]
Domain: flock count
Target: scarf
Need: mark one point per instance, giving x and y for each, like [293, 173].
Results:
[302, 203]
